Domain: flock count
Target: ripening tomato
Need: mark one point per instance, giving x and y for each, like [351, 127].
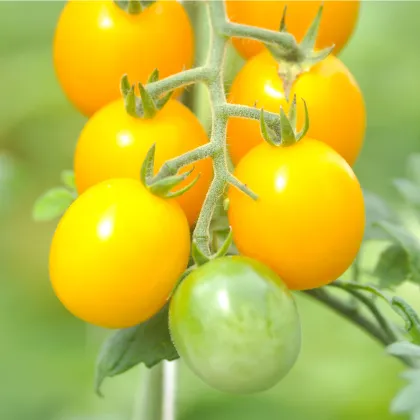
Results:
[235, 324]
[308, 221]
[96, 42]
[107, 252]
[113, 145]
[337, 23]
[336, 107]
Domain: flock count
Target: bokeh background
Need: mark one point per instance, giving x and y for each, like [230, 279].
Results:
[47, 356]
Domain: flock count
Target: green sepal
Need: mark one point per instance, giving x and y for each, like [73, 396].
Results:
[268, 134]
[129, 96]
[148, 166]
[162, 101]
[308, 41]
[125, 85]
[197, 255]
[163, 187]
[305, 128]
[283, 27]
[288, 136]
[184, 189]
[293, 112]
[317, 56]
[134, 7]
[154, 76]
[148, 104]
[224, 249]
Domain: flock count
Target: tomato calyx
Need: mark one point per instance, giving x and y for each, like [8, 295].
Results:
[144, 106]
[133, 7]
[291, 67]
[283, 131]
[163, 187]
[201, 258]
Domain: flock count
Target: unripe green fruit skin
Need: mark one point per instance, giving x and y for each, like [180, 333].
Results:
[235, 324]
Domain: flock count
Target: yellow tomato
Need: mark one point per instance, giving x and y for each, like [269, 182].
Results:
[113, 145]
[337, 23]
[336, 107]
[117, 254]
[308, 221]
[96, 42]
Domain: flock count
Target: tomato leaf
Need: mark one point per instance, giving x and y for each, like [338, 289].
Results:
[52, 204]
[148, 343]
[67, 177]
[377, 210]
[408, 190]
[407, 401]
[413, 167]
[404, 348]
[393, 266]
[409, 243]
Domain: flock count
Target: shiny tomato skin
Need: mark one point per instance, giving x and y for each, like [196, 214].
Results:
[308, 221]
[96, 43]
[107, 252]
[236, 325]
[335, 103]
[338, 21]
[113, 145]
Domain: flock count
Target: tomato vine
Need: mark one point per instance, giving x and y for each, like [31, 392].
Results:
[150, 342]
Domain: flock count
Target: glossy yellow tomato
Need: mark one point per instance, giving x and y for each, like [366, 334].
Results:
[117, 254]
[308, 221]
[96, 42]
[336, 107]
[337, 23]
[113, 145]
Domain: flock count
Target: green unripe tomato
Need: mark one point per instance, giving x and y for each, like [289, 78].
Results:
[236, 325]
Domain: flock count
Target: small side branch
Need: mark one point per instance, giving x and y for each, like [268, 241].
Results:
[187, 77]
[249, 112]
[172, 166]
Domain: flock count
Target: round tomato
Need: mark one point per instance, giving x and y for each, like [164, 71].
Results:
[336, 108]
[113, 145]
[337, 23]
[308, 221]
[235, 324]
[107, 252]
[96, 42]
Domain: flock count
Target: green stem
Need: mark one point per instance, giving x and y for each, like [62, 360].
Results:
[249, 112]
[285, 41]
[353, 315]
[371, 306]
[151, 398]
[172, 166]
[185, 78]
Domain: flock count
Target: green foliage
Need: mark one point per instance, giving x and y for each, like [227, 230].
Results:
[393, 266]
[408, 401]
[55, 201]
[52, 204]
[148, 343]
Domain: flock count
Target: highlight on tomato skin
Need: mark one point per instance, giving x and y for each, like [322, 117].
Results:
[105, 258]
[337, 112]
[236, 325]
[114, 144]
[338, 22]
[96, 43]
[308, 221]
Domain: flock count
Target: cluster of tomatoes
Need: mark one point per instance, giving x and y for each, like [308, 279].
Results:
[119, 250]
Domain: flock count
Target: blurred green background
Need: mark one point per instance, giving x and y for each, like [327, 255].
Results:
[47, 356]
